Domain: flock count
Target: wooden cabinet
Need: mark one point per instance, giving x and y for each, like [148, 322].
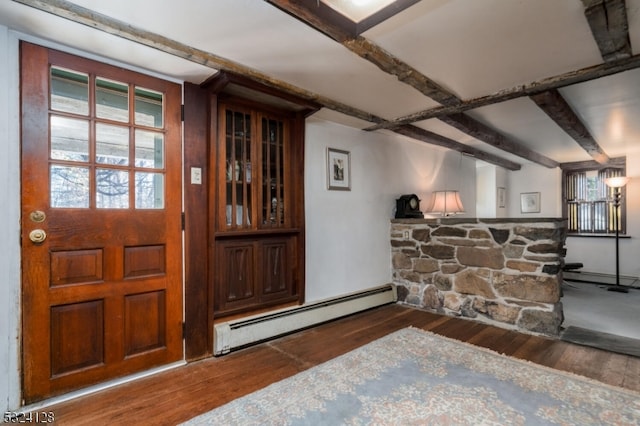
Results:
[257, 147]
[255, 272]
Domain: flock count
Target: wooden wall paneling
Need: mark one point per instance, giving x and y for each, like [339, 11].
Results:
[198, 297]
[297, 174]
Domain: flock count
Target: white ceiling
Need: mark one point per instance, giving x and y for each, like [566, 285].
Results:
[471, 48]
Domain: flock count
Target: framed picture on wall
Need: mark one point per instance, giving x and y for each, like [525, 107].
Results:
[530, 202]
[502, 195]
[338, 169]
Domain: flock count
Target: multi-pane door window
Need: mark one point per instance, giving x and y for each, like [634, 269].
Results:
[106, 143]
[589, 206]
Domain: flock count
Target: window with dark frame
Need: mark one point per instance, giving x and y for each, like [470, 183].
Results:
[588, 201]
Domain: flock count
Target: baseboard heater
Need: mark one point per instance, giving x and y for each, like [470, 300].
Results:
[247, 331]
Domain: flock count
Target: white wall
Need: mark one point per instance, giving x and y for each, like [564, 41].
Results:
[10, 219]
[347, 232]
[486, 191]
[502, 179]
[596, 253]
[488, 179]
[535, 178]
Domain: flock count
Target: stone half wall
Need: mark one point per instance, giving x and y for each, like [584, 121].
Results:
[507, 272]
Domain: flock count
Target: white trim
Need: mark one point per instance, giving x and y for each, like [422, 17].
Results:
[10, 393]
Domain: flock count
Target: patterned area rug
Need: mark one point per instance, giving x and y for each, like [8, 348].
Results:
[416, 377]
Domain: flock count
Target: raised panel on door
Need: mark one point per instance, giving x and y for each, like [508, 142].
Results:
[77, 337]
[145, 322]
[101, 222]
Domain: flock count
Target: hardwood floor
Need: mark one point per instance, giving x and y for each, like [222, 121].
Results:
[174, 396]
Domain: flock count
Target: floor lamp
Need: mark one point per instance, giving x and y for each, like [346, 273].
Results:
[617, 183]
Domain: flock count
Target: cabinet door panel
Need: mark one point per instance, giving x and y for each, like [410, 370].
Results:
[275, 272]
[236, 267]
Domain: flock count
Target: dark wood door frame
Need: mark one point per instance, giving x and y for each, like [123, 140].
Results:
[198, 293]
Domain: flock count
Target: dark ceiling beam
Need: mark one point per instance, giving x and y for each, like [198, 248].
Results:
[103, 23]
[486, 134]
[84, 16]
[331, 24]
[423, 135]
[383, 14]
[557, 108]
[556, 82]
[319, 16]
[578, 166]
[608, 22]
[610, 27]
[404, 72]
[78, 14]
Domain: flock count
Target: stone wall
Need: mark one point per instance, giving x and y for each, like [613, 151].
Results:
[502, 271]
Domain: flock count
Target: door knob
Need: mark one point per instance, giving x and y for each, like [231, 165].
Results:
[37, 236]
[37, 216]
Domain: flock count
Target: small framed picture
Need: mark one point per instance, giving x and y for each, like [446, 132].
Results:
[338, 169]
[502, 195]
[530, 202]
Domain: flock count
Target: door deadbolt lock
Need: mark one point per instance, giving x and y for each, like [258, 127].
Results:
[37, 216]
[37, 236]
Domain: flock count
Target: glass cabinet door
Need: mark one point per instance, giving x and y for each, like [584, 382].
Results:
[274, 184]
[238, 169]
[253, 163]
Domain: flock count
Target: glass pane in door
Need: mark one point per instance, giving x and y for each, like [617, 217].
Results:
[112, 144]
[69, 91]
[149, 149]
[238, 169]
[148, 104]
[112, 189]
[273, 184]
[69, 187]
[149, 190]
[112, 100]
[69, 139]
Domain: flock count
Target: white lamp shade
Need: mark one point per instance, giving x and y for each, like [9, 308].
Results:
[616, 182]
[446, 203]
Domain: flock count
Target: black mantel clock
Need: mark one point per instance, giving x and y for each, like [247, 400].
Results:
[408, 207]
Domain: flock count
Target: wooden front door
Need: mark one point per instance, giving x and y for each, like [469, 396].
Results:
[101, 222]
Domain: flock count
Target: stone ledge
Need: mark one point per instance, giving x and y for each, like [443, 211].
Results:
[506, 272]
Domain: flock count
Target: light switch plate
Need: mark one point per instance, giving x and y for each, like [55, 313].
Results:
[196, 175]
